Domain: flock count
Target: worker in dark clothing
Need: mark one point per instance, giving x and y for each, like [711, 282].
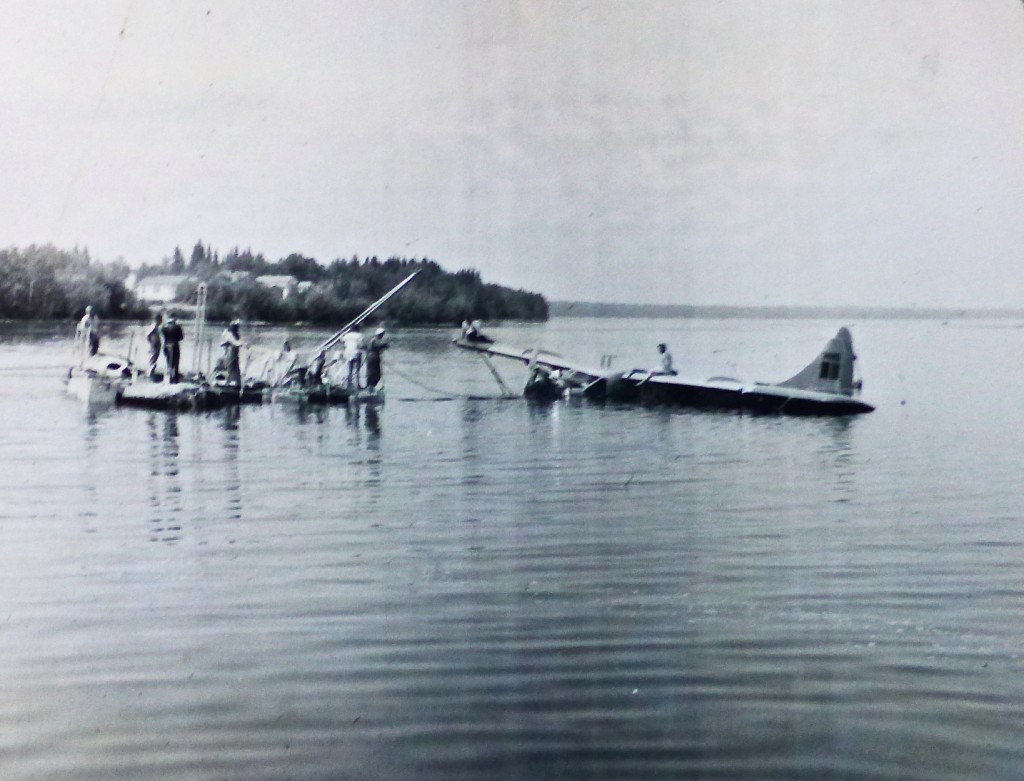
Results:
[474, 333]
[315, 372]
[374, 347]
[172, 336]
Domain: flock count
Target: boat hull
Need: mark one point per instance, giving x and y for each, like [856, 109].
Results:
[92, 390]
[317, 394]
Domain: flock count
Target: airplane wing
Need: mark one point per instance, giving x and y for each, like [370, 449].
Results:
[571, 373]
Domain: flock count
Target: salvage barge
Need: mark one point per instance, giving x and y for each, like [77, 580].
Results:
[108, 379]
[826, 386]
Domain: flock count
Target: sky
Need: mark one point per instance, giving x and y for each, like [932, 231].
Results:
[735, 152]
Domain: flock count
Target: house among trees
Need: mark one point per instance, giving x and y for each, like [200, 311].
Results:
[158, 289]
[43, 281]
[296, 288]
[286, 283]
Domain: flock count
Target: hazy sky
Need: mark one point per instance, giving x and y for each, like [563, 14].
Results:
[687, 151]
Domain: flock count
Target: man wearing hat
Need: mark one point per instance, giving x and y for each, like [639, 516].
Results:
[172, 335]
[377, 343]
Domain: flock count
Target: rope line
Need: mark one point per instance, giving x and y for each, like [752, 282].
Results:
[444, 394]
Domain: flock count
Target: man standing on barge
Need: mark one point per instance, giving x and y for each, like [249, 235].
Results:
[87, 334]
[352, 351]
[232, 344]
[172, 336]
[156, 343]
[378, 342]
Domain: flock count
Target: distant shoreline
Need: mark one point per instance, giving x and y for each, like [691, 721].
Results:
[596, 309]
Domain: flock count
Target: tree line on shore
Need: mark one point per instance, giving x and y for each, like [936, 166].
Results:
[47, 282]
[44, 282]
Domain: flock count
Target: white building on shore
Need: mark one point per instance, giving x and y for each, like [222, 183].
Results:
[158, 289]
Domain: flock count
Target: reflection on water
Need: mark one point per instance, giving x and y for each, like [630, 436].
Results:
[91, 466]
[496, 589]
[306, 413]
[230, 453]
[838, 450]
[165, 490]
[372, 417]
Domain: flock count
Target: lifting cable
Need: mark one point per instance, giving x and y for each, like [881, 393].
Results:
[443, 395]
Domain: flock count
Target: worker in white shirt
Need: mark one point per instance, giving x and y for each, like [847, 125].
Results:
[352, 352]
[232, 343]
[666, 360]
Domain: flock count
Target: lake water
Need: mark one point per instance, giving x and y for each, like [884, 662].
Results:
[459, 586]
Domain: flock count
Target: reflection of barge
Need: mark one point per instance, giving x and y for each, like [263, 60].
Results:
[826, 386]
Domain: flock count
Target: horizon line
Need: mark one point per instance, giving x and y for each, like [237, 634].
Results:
[621, 309]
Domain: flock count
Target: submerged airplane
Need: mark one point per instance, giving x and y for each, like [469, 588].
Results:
[826, 386]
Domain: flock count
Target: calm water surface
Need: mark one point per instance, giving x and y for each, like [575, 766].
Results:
[462, 588]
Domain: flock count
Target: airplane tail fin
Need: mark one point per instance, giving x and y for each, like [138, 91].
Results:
[831, 371]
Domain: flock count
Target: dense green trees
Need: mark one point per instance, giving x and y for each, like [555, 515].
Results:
[339, 291]
[46, 282]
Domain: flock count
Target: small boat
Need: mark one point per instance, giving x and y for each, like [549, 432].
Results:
[98, 380]
[251, 392]
[826, 386]
[225, 394]
[324, 393]
[320, 393]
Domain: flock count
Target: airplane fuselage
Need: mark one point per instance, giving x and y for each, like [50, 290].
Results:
[824, 387]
